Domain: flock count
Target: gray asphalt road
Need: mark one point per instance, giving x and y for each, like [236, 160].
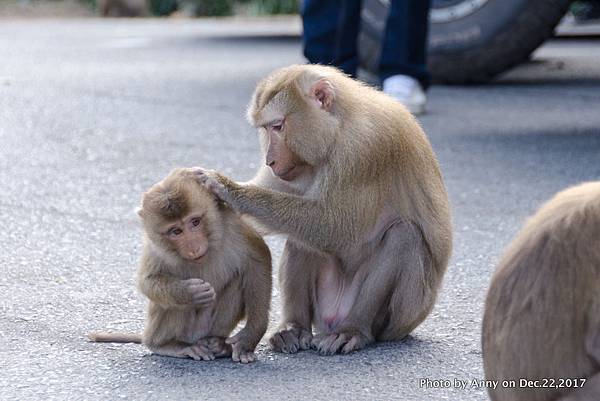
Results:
[94, 112]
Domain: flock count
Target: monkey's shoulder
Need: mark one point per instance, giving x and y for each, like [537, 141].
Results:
[242, 241]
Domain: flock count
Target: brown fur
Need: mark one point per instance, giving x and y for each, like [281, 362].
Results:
[542, 314]
[368, 207]
[236, 267]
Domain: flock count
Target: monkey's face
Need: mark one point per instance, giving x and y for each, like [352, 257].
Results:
[284, 163]
[296, 123]
[180, 217]
[187, 236]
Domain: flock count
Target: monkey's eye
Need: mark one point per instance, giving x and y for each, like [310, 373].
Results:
[174, 232]
[196, 222]
[278, 126]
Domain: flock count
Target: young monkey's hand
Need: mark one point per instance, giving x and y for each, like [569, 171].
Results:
[201, 292]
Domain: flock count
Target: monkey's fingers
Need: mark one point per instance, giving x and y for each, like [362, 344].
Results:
[330, 344]
[241, 354]
[203, 288]
[188, 352]
[202, 294]
[341, 341]
[203, 353]
[285, 341]
[218, 189]
[204, 298]
[202, 175]
[305, 339]
[217, 346]
[247, 357]
[358, 341]
[194, 281]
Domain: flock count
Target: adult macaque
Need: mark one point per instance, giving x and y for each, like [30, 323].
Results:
[542, 316]
[352, 180]
[203, 270]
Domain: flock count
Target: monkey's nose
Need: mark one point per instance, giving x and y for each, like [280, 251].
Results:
[270, 163]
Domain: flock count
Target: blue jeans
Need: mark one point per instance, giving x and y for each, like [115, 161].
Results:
[331, 30]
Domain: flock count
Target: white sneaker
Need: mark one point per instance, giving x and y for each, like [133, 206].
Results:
[407, 91]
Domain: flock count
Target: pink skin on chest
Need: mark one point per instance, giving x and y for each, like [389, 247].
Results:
[336, 295]
[337, 292]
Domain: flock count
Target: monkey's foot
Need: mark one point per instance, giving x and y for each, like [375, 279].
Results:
[196, 352]
[243, 356]
[344, 343]
[290, 341]
[216, 345]
[243, 345]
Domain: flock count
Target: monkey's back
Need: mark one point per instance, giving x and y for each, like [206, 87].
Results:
[396, 152]
[544, 295]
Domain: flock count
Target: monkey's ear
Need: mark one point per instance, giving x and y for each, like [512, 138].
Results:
[323, 94]
[139, 211]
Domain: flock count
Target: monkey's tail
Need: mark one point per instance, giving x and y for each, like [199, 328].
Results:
[104, 337]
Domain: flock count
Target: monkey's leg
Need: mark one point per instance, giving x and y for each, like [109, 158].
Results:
[228, 312]
[167, 330]
[417, 283]
[395, 296]
[255, 286]
[296, 273]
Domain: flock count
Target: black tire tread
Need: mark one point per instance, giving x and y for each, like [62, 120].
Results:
[510, 47]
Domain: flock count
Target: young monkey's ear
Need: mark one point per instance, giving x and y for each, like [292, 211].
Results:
[323, 93]
[140, 212]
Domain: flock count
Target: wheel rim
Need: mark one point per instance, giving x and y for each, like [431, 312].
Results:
[452, 10]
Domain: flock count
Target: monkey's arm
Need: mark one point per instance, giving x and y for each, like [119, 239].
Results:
[312, 221]
[169, 291]
[156, 281]
[258, 227]
[264, 178]
[164, 290]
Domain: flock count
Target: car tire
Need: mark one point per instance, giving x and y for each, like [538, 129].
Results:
[470, 41]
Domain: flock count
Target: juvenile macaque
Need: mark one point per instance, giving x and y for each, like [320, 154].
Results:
[542, 316]
[203, 270]
[352, 180]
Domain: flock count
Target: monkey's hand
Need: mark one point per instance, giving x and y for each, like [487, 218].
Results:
[200, 292]
[242, 347]
[216, 183]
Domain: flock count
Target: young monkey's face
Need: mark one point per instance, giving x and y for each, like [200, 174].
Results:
[188, 236]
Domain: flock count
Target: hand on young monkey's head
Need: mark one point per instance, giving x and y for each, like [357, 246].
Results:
[213, 181]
